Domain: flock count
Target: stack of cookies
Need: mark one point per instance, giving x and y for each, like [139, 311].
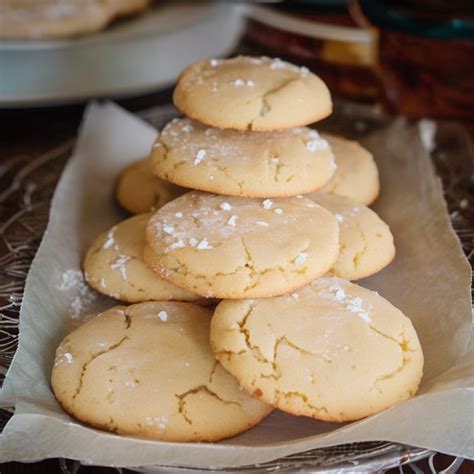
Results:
[242, 205]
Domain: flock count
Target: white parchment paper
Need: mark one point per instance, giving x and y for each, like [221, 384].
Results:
[429, 280]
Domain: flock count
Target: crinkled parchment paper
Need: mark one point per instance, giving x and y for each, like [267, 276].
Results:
[429, 280]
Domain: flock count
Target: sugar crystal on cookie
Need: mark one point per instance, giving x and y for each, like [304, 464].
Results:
[301, 258]
[177, 245]
[204, 245]
[119, 265]
[232, 220]
[201, 154]
[109, 241]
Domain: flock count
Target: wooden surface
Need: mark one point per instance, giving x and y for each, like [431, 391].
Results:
[33, 130]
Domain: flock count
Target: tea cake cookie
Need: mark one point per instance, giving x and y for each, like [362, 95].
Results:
[232, 247]
[247, 93]
[138, 190]
[356, 176]
[114, 267]
[224, 161]
[365, 241]
[148, 370]
[34, 19]
[332, 350]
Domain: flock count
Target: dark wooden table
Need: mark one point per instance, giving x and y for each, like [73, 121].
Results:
[27, 131]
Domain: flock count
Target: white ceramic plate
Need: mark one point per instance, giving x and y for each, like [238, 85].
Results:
[135, 56]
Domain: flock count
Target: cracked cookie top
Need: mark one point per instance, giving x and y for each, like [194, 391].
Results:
[232, 247]
[148, 370]
[224, 161]
[114, 266]
[356, 176]
[332, 350]
[247, 93]
[365, 241]
[139, 191]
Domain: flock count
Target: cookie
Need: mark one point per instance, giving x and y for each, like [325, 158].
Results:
[356, 176]
[148, 370]
[247, 93]
[34, 19]
[232, 247]
[139, 191]
[332, 350]
[114, 267]
[365, 241]
[223, 161]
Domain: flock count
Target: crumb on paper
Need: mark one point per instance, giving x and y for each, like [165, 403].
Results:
[74, 280]
[267, 204]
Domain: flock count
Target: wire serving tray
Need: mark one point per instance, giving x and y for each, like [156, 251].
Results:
[26, 187]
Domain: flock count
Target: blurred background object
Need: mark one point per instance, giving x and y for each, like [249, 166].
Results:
[33, 19]
[425, 59]
[133, 56]
[321, 35]
[415, 57]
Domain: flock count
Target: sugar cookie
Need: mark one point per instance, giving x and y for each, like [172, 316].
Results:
[138, 190]
[148, 370]
[114, 267]
[31, 19]
[365, 241]
[266, 164]
[332, 350]
[231, 247]
[247, 93]
[356, 176]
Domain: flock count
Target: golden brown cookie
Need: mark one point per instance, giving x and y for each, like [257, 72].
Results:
[356, 176]
[232, 247]
[332, 350]
[365, 241]
[138, 190]
[33, 19]
[247, 93]
[114, 266]
[231, 162]
[148, 370]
